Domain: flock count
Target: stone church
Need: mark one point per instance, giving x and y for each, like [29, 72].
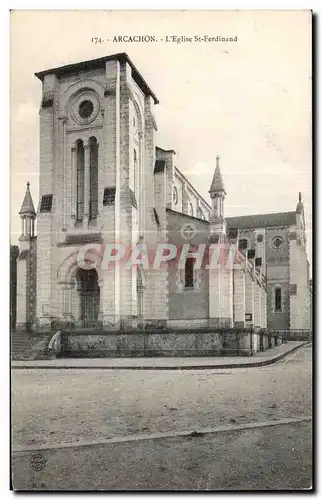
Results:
[104, 181]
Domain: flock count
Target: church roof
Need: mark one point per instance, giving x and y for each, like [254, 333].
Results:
[262, 220]
[165, 150]
[27, 206]
[100, 63]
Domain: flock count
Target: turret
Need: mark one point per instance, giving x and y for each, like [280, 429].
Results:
[300, 219]
[299, 206]
[217, 194]
[28, 215]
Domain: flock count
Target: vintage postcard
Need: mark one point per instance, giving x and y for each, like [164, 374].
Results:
[161, 250]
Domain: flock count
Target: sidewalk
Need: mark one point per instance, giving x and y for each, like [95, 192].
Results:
[174, 363]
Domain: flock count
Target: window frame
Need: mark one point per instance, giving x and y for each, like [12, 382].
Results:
[80, 180]
[93, 178]
[189, 278]
[278, 289]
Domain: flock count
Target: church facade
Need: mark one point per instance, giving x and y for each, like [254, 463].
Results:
[123, 238]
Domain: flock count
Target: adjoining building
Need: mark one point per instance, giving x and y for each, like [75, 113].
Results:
[104, 182]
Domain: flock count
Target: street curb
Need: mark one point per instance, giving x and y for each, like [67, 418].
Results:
[21, 450]
[251, 364]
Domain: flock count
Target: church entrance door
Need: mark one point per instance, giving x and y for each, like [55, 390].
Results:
[89, 296]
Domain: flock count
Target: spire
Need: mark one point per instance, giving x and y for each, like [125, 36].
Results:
[217, 185]
[300, 206]
[27, 207]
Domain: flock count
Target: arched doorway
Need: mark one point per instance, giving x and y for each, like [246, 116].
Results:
[89, 297]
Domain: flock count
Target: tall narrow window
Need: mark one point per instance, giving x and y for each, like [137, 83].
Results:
[188, 272]
[135, 174]
[80, 179]
[278, 299]
[93, 191]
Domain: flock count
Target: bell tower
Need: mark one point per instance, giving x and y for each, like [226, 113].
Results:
[96, 165]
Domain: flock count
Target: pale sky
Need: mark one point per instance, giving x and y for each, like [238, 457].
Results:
[248, 101]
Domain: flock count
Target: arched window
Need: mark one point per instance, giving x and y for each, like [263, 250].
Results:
[188, 272]
[135, 174]
[200, 214]
[278, 299]
[93, 191]
[243, 244]
[80, 180]
[191, 209]
[175, 195]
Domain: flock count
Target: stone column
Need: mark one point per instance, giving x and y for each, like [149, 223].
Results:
[28, 226]
[124, 209]
[264, 307]
[109, 176]
[75, 304]
[22, 293]
[249, 293]
[107, 301]
[67, 302]
[73, 185]
[239, 297]
[257, 306]
[142, 185]
[86, 182]
[64, 178]
[214, 288]
[226, 288]
[158, 278]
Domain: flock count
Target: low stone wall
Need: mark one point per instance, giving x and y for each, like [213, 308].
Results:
[164, 343]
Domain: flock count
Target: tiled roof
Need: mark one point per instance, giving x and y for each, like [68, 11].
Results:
[262, 220]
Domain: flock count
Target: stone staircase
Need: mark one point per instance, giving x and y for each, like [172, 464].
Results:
[20, 345]
[27, 346]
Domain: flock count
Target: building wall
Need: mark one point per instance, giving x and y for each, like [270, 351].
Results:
[275, 266]
[186, 199]
[125, 123]
[177, 203]
[32, 296]
[26, 282]
[184, 304]
[248, 234]
[170, 343]
[299, 284]
[278, 276]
